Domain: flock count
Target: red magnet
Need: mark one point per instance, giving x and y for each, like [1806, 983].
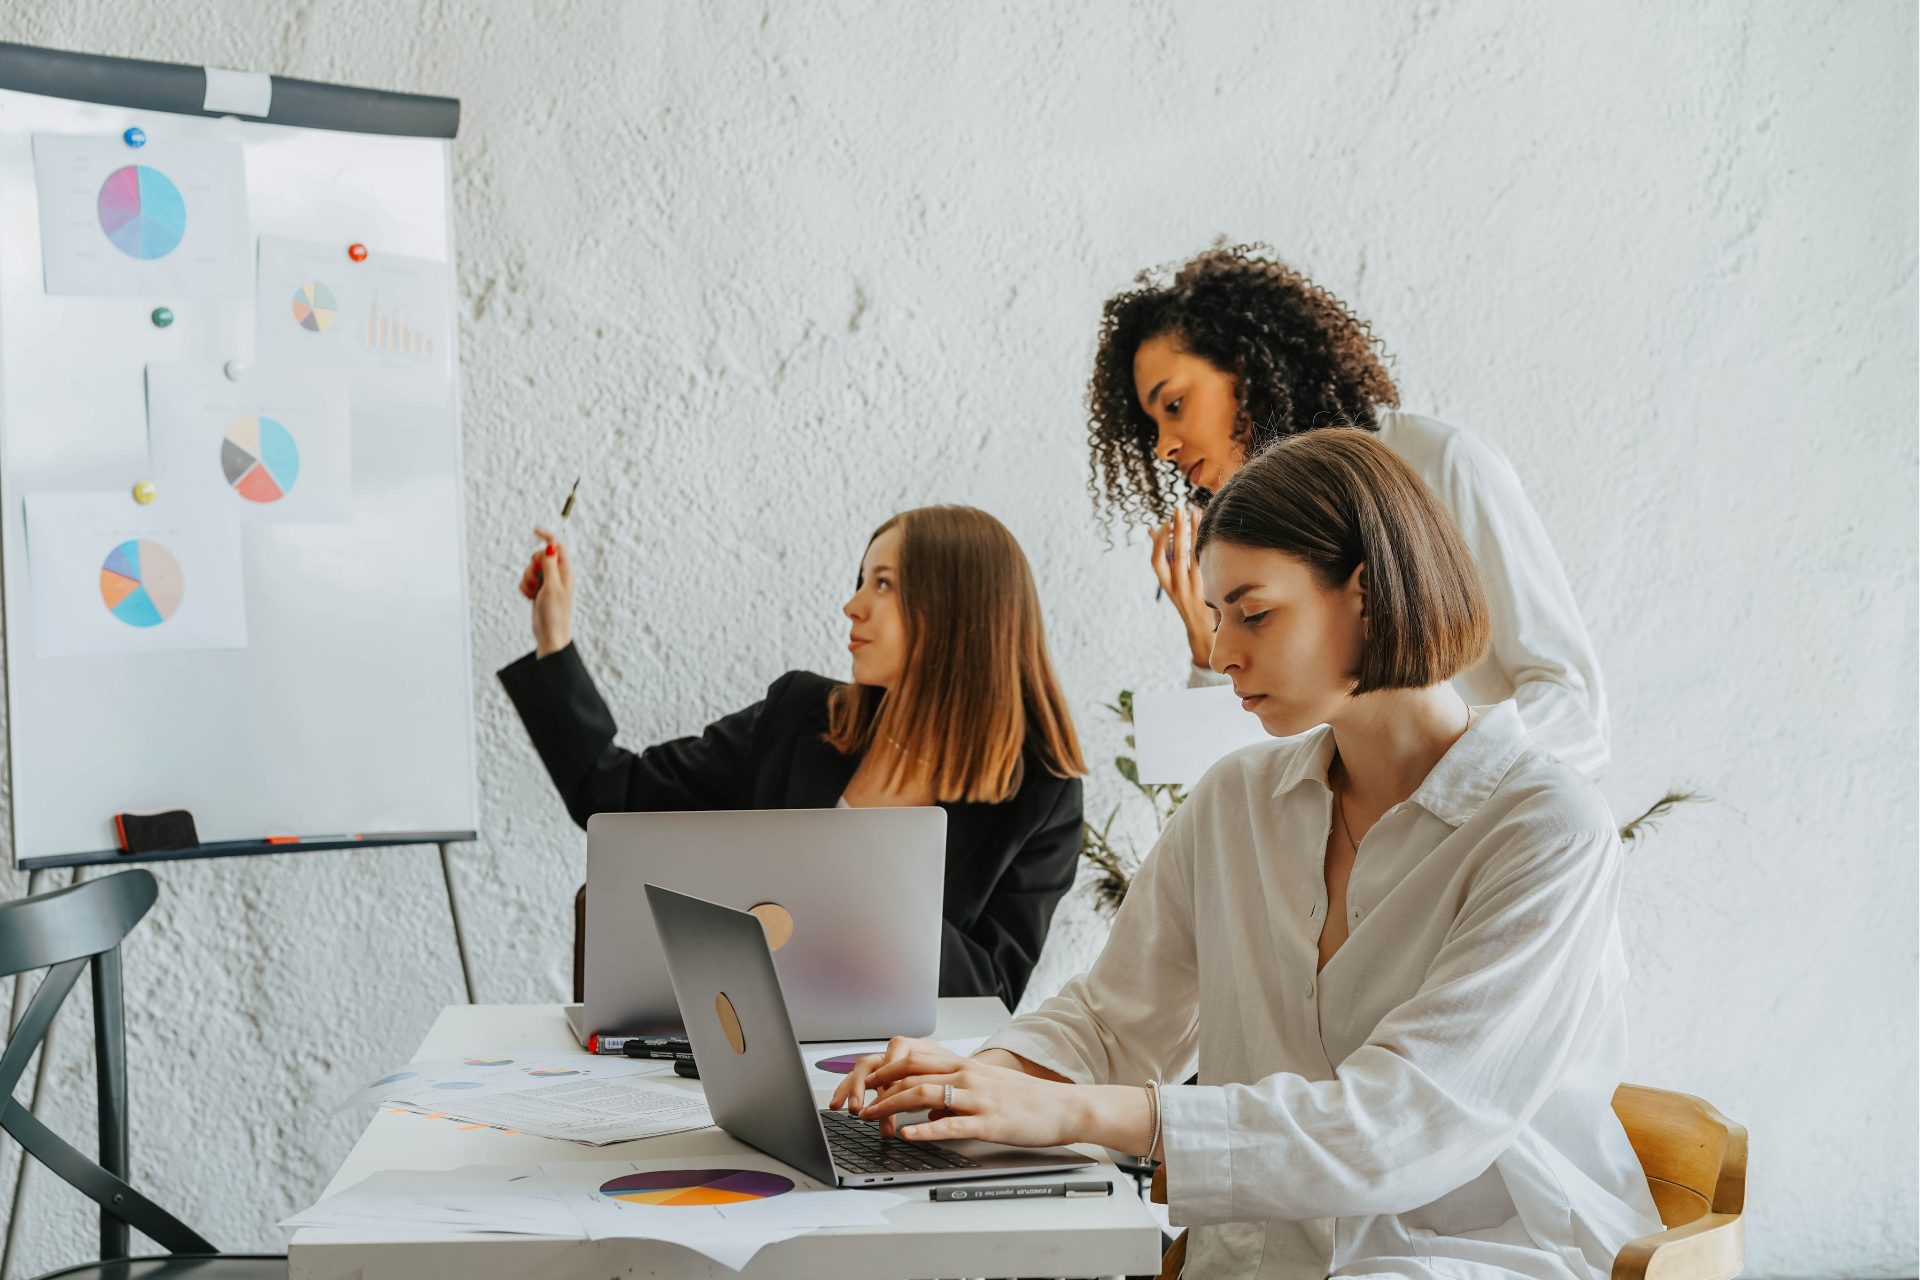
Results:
[358, 252]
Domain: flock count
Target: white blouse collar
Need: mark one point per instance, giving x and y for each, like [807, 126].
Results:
[1464, 779]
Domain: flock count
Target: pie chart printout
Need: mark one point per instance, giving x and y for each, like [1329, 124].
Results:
[260, 459]
[695, 1186]
[141, 583]
[313, 307]
[840, 1065]
[142, 212]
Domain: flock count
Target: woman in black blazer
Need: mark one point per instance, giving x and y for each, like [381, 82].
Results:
[953, 702]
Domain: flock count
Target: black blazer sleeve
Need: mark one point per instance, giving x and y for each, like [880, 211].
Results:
[573, 731]
[995, 954]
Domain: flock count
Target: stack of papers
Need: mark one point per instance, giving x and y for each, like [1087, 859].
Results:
[727, 1208]
[471, 1198]
[575, 1097]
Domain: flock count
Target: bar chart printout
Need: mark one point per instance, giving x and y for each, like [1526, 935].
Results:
[393, 329]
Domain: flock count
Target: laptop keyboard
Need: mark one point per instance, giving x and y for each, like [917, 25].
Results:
[858, 1148]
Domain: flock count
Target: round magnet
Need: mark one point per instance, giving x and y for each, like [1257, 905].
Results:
[358, 252]
[162, 317]
[236, 370]
[135, 137]
[144, 492]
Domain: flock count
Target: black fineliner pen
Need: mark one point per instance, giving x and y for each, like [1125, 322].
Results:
[974, 1191]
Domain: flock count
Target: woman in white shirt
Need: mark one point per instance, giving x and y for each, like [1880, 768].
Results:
[1195, 376]
[1388, 944]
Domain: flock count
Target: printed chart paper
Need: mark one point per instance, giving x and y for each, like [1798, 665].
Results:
[477, 1198]
[1180, 733]
[111, 576]
[169, 218]
[726, 1207]
[594, 1113]
[432, 1082]
[272, 447]
[387, 320]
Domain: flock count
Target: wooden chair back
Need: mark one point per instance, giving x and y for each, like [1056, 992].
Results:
[1694, 1157]
[1695, 1160]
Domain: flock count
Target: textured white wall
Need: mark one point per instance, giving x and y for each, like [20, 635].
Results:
[766, 275]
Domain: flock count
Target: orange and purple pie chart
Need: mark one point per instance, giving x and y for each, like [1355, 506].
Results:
[683, 1187]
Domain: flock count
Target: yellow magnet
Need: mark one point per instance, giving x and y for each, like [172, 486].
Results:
[145, 492]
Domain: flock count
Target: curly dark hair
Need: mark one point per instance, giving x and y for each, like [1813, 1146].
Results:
[1299, 357]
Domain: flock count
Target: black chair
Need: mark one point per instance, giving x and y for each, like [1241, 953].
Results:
[62, 932]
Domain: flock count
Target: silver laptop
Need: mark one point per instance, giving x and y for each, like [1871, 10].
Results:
[756, 1080]
[836, 887]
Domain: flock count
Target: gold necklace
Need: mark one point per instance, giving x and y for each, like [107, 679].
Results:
[1340, 807]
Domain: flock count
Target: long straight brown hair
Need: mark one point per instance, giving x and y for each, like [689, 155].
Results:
[977, 685]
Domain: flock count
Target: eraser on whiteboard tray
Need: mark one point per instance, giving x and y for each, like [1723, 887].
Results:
[155, 832]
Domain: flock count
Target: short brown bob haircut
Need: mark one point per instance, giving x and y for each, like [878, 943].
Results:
[978, 687]
[1337, 499]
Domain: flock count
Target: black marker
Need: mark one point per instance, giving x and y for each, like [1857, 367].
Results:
[974, 1191]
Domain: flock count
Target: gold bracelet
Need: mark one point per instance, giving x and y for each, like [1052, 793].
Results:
[1153, 1100]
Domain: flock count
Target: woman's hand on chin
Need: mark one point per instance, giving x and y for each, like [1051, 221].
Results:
[1180, 581]
[989, 1102]
[548, 582]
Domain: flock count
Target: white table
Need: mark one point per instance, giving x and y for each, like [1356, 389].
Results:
[1095, 1237]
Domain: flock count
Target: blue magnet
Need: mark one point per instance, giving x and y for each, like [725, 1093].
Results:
[135, 137]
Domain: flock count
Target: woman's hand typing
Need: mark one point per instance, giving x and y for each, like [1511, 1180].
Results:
[548, 582]
[992, 1102]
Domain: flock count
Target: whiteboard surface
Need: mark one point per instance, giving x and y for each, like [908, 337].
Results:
[351, 709]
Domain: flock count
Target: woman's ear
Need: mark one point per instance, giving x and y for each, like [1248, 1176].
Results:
[1357, 584]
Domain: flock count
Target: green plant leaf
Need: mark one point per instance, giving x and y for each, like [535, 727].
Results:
[1128, 769]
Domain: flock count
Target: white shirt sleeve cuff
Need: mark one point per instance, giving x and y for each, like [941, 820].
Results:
[1195, 1142]
[1199, 677]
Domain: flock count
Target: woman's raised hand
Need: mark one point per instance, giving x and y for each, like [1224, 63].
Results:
[997, 1104]
[1180, 579]
[548, 582]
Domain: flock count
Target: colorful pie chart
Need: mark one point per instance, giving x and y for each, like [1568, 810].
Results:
[841, 1065]
[313, 307]
[260, 459]
[396, 1076]
[141, 583]
[696, 1186]
[142, 212]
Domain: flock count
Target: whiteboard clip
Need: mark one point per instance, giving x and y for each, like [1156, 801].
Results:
[240, 93]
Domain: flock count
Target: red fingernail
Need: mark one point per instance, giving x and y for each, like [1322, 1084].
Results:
[550, 548]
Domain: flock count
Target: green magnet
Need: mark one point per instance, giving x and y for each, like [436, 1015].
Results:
[162, 317]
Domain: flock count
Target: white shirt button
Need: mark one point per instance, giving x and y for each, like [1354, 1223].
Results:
[1309, 991]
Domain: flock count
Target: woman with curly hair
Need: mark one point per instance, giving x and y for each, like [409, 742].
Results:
[1197, 374]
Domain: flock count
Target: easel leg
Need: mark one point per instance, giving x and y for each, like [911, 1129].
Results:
[459, 931]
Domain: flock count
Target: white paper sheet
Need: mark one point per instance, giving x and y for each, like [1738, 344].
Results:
[594, 1113]
[168, 219]
[440, 1083]
[111, 576]
[1180, 733]
[386, 319]
[491, 1198]
[729, 1218]
[272, 446]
